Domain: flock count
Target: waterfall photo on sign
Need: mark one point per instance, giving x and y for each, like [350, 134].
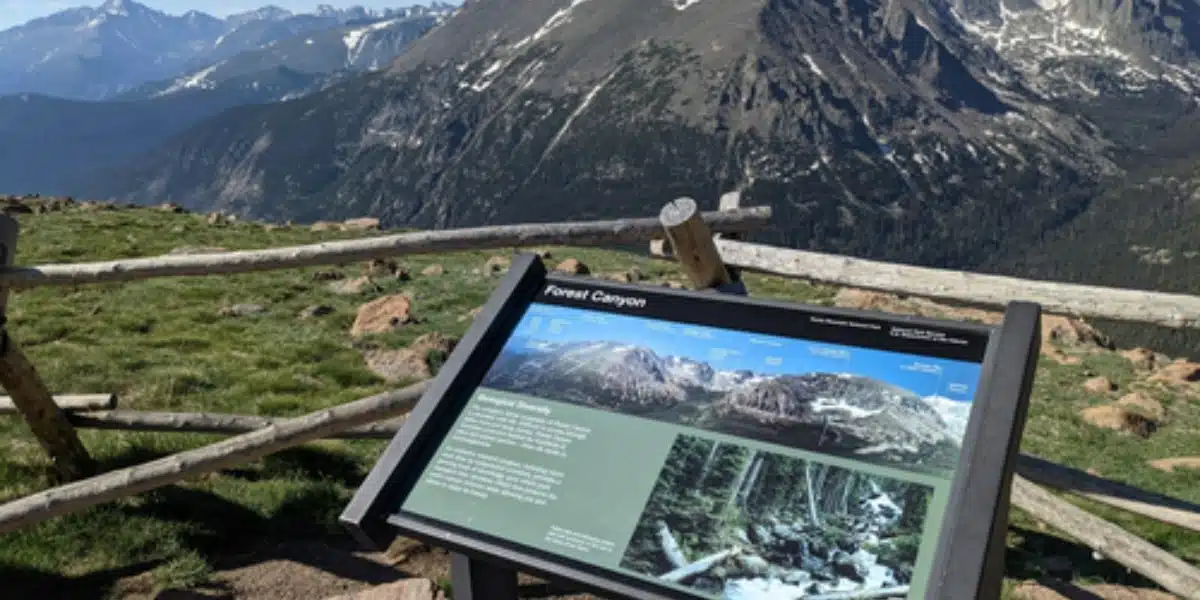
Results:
[734, 522]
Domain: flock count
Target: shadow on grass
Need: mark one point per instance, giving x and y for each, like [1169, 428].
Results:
[226, 532]
[1041, 556]
[305, 463]
[29, 584]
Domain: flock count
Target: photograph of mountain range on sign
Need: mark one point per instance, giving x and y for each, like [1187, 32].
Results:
[860, 404]
[741, 524]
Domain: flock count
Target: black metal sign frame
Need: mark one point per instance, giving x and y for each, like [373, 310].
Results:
[968, 560]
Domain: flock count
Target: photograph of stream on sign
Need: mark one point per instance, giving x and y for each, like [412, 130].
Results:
[692, 448]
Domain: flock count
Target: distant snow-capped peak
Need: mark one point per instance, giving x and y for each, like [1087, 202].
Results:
[955, 413]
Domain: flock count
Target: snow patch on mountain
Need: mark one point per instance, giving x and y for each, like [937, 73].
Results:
[1047, 44]
[355, 37]
[198, 80]
[955, 413]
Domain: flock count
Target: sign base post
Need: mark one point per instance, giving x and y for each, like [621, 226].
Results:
[473, 579]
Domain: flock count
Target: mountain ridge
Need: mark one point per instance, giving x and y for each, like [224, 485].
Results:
[95, 53]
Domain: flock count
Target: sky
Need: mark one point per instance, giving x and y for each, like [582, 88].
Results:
[726, 349]
[15, 12]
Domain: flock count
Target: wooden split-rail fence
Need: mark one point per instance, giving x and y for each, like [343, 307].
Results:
[711, 250]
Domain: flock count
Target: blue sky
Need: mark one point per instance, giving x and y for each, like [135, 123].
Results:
[726, 349]
[15, 12]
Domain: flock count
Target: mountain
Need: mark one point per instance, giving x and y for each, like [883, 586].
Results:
[926, 132]
[600, 373]
[954, 414]
[325, 55]
[869, 417]
[827, 412]
[97, 53]
[54, 144]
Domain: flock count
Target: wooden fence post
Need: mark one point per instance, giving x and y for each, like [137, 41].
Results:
[692, 244]
[55, 434]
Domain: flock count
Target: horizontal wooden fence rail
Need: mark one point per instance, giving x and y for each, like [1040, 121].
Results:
[195, 422]
[1170, 310]
[1162, 508]
[67, 402]
[1166, 509]
[281, 434]
[583, 233]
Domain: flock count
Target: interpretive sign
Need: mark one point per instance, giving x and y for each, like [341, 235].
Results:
[644, 442]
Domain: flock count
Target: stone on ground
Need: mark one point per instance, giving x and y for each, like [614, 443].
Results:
[382, 315]
[433, 270]
[411, 363]
[350, 287]
[1179, 373]
[496, 265]
[1118, 418]
[242, 310]
[572, 266]
[405, 589]
[363, 224]
[1144, 404]
[1099, 385]
[1180, 462]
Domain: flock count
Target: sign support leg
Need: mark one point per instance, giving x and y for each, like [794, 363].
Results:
[473, 579]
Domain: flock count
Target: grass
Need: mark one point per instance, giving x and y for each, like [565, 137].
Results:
[161, 344]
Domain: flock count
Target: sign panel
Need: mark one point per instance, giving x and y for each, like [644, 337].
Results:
[692, 446]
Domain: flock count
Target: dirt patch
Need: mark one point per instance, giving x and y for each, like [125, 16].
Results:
[291, 571]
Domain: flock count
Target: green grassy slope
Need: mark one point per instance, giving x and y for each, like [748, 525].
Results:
[161, 344]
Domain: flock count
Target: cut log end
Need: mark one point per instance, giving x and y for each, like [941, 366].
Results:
[677, 212]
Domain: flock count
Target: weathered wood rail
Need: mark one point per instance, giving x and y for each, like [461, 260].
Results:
[710, 264]
[583, 233]
[1157, 308]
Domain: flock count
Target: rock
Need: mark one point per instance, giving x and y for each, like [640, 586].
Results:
[362, 224]
[847, 566]
[1180, 462]
[381, 267]
[328, 276]
[1180, 372]
[187, 250]
[170, 207]
[324, 226]
[433, 270]
[405, 589]
[496, 265]
[217, 219]
[1065, 331]
[382, 315]
[1099, 385]
[242, 310]
[753, 564]
[635, 274]
[1141, 358]
[1111, 416]
[1147, 406]
[573, 267]
[350, 287]
[316, 310]
[412, 363]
